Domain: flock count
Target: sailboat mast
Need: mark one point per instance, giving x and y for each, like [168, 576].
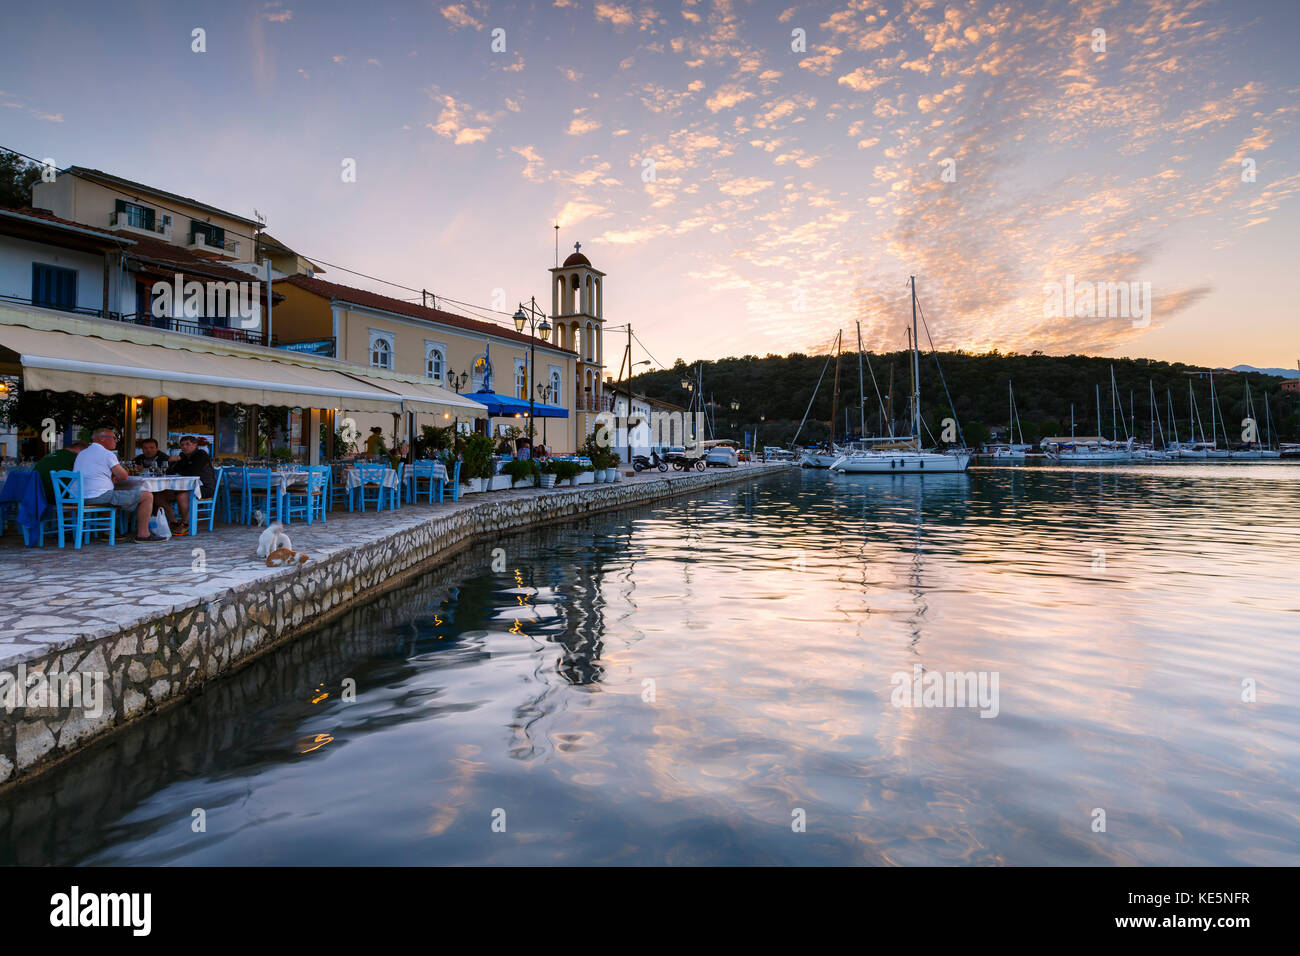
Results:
[1101, 429]
[916, 372]
[836, 393]
[1173, 419]
[1214, 431]
[862, 393]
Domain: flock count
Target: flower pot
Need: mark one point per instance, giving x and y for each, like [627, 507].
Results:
[599, 476]
[529, 482]
[585, 478]
[498, 482]
[548, 481]
[473, 486]
[611, 474]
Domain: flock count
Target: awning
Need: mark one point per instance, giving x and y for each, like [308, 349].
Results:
[64, 362]
[508, 405]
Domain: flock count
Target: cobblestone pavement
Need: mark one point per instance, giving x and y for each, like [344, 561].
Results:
[49, 595]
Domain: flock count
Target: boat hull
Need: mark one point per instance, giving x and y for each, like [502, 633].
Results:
[810, 460]
[903, 463]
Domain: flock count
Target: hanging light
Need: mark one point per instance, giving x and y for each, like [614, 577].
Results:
[520, 319]
[544, 330]
[686, 383]
[735, 406]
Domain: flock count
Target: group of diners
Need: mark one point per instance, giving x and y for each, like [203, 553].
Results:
[105, 482]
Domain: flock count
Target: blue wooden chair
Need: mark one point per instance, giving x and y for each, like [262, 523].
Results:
[452, 484]
[421, 483]
[71, 509]
[395, 492]
[205, 509]
[261, 493]
[371, 490]
[338, 491]
[311, 501]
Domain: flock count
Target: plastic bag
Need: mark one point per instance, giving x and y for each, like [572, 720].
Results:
[159, 524]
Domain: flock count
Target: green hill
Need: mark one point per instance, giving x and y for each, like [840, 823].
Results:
[778, 388]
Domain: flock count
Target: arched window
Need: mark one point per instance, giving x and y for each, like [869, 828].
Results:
[556, 378]
[435, 359]
[381, 349]
[586, 335]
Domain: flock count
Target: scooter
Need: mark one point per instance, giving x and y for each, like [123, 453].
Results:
[643, 462]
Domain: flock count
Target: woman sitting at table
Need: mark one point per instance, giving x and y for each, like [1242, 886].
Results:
[192, 462]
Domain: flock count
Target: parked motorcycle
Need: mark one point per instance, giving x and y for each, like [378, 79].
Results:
[641, 463]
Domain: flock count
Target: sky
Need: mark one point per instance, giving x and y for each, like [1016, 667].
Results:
[752, 177]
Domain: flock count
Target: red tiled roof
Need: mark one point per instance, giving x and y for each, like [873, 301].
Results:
[373, 300]
[165, 254]
[48, 216]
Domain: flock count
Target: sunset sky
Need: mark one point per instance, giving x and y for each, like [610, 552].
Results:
[793, 191]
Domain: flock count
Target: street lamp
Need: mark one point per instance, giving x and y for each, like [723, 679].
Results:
[457, 382]
[530, 318]
[547, 392]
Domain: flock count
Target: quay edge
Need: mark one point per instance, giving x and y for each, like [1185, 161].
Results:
[157, 661]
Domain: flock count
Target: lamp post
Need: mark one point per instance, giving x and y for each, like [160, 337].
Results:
[529, 318]
[548, 395]
[457, 382]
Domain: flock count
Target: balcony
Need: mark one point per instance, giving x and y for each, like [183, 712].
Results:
[134, 223]
[200, 242]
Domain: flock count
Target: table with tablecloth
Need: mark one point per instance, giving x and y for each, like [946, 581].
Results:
[155, 483]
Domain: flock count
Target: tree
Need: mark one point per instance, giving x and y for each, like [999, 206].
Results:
[17, 176]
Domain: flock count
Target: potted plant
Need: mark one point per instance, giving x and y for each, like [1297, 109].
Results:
[611, 467]
[522, 471]
[547, 477]
[477, 468]
[566, 471]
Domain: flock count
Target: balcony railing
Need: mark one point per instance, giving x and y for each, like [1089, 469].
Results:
[211, 328]
[137, 223]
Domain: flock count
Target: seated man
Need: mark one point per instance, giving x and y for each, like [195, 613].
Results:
[100, 473]
[193, 462]
[150, 456]
[61, 460]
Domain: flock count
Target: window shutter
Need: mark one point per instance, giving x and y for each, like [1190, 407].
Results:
[148, 219]
[219, 238]
[119, 205]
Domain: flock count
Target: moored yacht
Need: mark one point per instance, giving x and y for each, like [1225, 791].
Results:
[903, 456]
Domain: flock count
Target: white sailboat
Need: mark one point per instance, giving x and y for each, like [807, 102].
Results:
[1094, 449]
[1010, 450]
[904, 456]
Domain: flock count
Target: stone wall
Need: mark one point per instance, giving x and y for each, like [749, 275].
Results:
[159, 660]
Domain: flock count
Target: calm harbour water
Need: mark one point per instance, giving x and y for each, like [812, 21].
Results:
[1120, 607]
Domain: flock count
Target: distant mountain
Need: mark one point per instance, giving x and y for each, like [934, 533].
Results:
[1281, 372]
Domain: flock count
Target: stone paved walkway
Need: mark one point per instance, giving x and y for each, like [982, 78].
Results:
[51, 597]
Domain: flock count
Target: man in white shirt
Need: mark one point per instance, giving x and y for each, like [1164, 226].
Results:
[100, 474]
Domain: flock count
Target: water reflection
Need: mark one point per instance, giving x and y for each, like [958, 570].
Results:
[669, 684]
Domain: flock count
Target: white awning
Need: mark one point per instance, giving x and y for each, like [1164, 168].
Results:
[65, 362]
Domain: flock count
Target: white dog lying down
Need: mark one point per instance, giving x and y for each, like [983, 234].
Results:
[274, 545]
